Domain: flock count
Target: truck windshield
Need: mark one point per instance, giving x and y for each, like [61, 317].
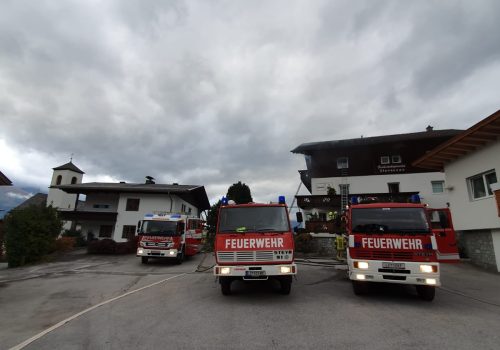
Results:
[390, 220]
[253, 219]
[159, 228]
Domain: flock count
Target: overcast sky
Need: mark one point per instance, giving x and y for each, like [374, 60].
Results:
[214, 92]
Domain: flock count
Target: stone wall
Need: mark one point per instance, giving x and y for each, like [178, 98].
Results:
[477, 246]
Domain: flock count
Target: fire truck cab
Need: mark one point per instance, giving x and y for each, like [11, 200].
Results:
[169, 235]
[254, 242]
[394, 243]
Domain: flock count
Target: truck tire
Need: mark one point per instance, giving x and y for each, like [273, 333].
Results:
[359, 288]
[225, 285]
[144, 259]
[286, 285]
[180, 257]
[426, 293]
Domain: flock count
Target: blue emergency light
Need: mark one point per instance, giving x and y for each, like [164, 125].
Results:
[354, 200]
[281, 200]
[415, 198]
[224, 201]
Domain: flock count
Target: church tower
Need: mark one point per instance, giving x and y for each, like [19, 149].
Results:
[66, 174]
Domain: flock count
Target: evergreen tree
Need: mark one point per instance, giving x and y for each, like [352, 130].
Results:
[240, 193]
[30, 234]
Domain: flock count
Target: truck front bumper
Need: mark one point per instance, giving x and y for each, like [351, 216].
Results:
[253, 272]
[403, 272]
[157, 253]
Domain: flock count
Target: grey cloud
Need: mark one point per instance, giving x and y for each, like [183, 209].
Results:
[216, 92]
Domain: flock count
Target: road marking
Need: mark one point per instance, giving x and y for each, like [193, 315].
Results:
[63, 322]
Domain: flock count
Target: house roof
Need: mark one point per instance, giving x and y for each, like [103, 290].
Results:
[69, 166]
[307, 148]
[193, 194]
[4, 180]
[470, 140]
[39, 199]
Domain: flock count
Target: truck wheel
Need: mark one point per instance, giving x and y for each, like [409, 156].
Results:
[426, 293]
[359, 288]
[225, 285]
[144, 259]
[180, 257]
[286, 285]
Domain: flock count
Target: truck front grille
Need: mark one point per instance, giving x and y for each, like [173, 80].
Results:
[246, 256]
[381, 255]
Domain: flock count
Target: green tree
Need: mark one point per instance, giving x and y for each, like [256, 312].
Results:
[240, 193]
[30, 234]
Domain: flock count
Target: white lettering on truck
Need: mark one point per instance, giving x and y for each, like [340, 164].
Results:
[391, 243]
[249, 243]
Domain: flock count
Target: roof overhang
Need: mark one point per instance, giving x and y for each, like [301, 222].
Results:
[195, 195]
[472, 139]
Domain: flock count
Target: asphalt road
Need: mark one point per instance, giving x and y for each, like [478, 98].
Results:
[187, 311]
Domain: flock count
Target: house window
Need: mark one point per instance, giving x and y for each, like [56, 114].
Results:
[105, 231]
[344, 188]
[183, 208]
[479, 185]
[73, 180]
[393, 187]
[385, 160]
[342, 163]
[128, 231]
[396, 159]
[437, 187]
[59, 180]
[132, 204]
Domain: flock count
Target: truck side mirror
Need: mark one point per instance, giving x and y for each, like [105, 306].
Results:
[139, 226]
[299, 216]
[443, 220]
[180, 228]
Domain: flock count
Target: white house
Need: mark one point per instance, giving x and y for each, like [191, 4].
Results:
[471, 162]
[112, 210]
[377, 166]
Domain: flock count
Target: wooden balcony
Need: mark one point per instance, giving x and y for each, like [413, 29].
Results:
[317, 226]
[308, 202]
[333, 202]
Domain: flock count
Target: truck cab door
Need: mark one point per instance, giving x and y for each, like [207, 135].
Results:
[442, 227]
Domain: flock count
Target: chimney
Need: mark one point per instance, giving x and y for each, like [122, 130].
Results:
[150, 180]
[429, 128]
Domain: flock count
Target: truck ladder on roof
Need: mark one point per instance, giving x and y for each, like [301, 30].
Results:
[344, 189]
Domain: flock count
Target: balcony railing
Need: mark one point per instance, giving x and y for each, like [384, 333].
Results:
[317, 226]
[327, 202]
[318, 201]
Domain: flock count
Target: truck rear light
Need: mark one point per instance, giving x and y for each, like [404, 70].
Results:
[428, 268]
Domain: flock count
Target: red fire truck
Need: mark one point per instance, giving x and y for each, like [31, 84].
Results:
[168, 235]
[397, 243]
[254, 242]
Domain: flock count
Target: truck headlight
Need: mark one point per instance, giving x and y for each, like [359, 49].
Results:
[360, 277]
[428, 268]
[140, 251]
[172, 252]
[286, 269]
[225, 270]
[361, 265]
[430, 281]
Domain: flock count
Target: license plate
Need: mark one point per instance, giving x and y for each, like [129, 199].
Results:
[255, 273]
[390, 265]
